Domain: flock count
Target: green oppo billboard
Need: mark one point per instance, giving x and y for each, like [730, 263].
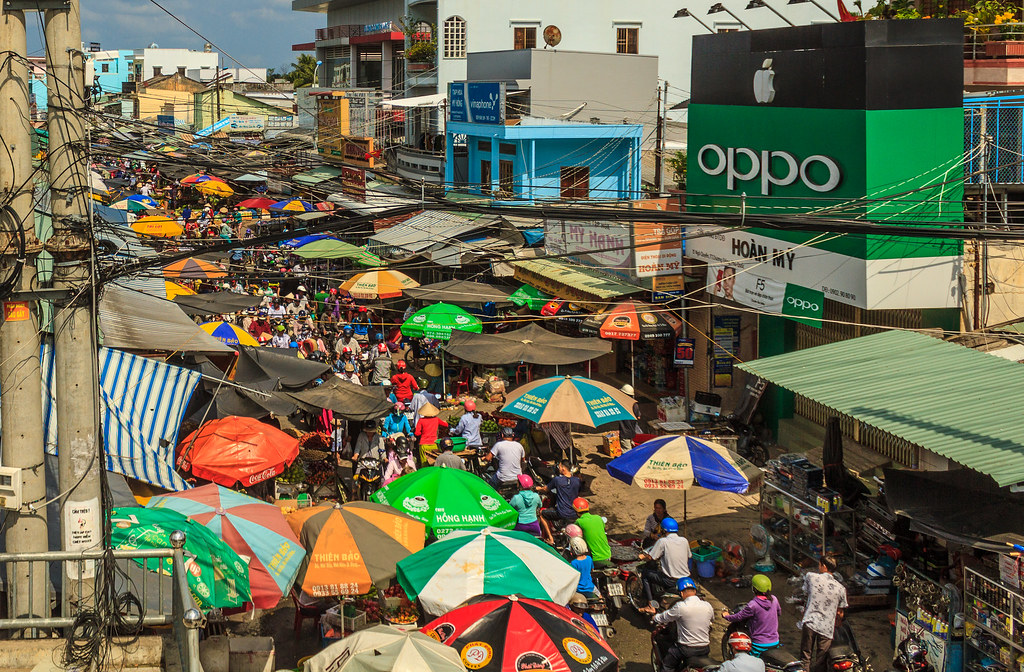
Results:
[859, 120]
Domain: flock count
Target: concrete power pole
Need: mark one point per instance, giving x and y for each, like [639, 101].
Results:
[20, 380]
[78, 444]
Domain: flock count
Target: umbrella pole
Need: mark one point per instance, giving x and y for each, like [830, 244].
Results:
[685, 526]
[632, 366]
[444, 378]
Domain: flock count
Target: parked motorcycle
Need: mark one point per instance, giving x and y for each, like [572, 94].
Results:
[748, 441]
[777, 659]
[844, 654]
[662, 639]
[369, 476]
[612, 588]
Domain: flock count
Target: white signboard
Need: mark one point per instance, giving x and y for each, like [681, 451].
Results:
[653, 261]
[607, 245]
[246, 123]
[82, 532]
[747, 288]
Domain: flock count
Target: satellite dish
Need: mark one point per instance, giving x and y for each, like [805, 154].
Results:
[552, 36]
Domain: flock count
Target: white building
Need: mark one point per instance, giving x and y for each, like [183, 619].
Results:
[153, 61]
[356, 51]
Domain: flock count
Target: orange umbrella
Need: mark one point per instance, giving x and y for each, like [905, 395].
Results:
[379, 284]
[236, 450]
[158, 227]
[351, 547]
[193, 269]
[214, 188]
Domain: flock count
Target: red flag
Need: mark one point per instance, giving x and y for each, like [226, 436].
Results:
[844, 13]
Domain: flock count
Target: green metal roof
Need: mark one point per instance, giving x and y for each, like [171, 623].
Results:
[960, 403]
[317, 175]
[577, 277]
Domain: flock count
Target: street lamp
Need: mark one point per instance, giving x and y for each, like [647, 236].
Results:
[683, 13]
[316, 80]
[719, 7]
[813, 2]
[755, 4]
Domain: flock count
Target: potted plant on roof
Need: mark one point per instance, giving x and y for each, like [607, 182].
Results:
[421, 44]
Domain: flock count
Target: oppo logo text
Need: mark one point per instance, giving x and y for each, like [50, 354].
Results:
[761, 167]
[803, 304]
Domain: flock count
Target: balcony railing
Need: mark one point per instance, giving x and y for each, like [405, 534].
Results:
[353, 30]
[1004, 40]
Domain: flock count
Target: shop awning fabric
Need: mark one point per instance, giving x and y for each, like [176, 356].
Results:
[532, 344]
[460, 292]
[960, 403]
[569, 281]
[216, 303]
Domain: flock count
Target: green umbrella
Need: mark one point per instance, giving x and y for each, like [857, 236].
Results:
[328, 248]
[438, 321]
[447, 499]
[486, 562]
[216, 574]
[529, 296]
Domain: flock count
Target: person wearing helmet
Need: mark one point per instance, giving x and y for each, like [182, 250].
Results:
[526, 502]
[348, 372]
[584, 564]
[628, 429]
[510, 455]
[761, 615]
[447, 458]
[579, 605]
[348, 340]
[692, 617]
[281, 338]
[403, 383]
[564, 488]
[383, 365]
[396, 422]
[593, 533]
[572, 530]
[672, 552]
[742, 660]
[469, 424]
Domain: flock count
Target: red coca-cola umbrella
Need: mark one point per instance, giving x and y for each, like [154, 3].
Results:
[235, 449]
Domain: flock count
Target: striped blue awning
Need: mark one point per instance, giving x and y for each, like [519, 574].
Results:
[141, 405]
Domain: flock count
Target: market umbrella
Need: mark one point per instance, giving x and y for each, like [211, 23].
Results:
[214, 188]
[440, 321]
[306, 239]
[228, 333]
[291, 205]
[447, 500]
[461, 293]
[236, 450]
[157, 226]
[633, 321]
[351, 547]
[378, 284]
[532, 344]
[529, 296]
[144, 201]
[173, 289]
[564, 311]
[216, 575]
[198, 178]
[494, 634]
[570, 399]
[257, 203]
[329, 248]
[495, 561]
[253, 529]
[383, 648]
[193, 269]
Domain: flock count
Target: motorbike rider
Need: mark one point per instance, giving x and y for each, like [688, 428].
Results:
[672, 552]
[584, 564]
[578, 603]
[510, 455]
[526, 502]
[382, 365]
[447, 458]
[396, 422]
[348, 340]
[761, 615]
[468, 426]
[369, 445]
[400, 458]
[742, 660]
[564, 487]
[403, 382]
[593, 533]
[692, 617]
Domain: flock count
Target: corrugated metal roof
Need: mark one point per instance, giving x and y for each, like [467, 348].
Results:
[132, 320]
[428, 228]
[576, 277]
[317, 175]
[954, 401]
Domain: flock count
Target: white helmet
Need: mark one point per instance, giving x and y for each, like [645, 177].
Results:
[628, 389]
[578, 546]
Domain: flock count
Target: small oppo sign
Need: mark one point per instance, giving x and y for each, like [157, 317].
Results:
[761, 168]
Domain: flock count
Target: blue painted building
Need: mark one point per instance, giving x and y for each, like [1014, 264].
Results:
[112, 68]
[546, 159]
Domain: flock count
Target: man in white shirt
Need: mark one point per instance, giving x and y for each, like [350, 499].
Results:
[692, 617]
[510, 455]
[826, 599]
[673, 555]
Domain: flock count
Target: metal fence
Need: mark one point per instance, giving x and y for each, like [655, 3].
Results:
[993, 40]
[994, 139]
[165, 599]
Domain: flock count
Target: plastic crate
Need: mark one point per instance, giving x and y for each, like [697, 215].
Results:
[357, 622]
[706, 553]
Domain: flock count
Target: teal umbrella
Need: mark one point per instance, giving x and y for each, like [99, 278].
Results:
[488, 561]
[447, 500]
[570, 399]
[329, 248]
[529, 296]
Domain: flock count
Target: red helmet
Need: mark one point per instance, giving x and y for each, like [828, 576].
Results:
[580, 505]
[740, 641]
[381, 347]
[362, 309]
[469, 405]
[400, 364]
[346, 351]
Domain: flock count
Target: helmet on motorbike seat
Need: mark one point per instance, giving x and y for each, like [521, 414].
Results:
[761, 584]
[573, 530]
[445, 444]
[740, 641]
[578, 600]
[669, 524]
[525, 481]
[685, 583]
[580, 505]
[578, 546]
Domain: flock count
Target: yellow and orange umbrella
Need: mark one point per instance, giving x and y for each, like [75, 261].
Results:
[379, 284]
[174, 289]
[193, 269]
[214, 188]
[351, 547]
[157, 226]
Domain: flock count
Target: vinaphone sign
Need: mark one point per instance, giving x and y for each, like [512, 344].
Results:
[851, 120]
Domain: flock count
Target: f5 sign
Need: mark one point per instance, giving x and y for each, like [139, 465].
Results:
[761, 168]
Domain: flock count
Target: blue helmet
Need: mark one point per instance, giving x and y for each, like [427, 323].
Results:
[669, 524]
[685, 583]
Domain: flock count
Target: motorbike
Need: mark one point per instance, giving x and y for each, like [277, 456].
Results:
[844, 654]
[598, 610]
[612, 588]
[777, 659]
[748, 442]
[662, 638]
[368, 480]
[911, 656]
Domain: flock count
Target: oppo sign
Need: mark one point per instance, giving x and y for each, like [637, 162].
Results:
[761, 167]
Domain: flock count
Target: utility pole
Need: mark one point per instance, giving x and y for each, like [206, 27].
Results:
[659, 140]
[78, 444]
[21, 393]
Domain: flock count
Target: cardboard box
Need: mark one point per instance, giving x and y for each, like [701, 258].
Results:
[611, 446]
[251, 654]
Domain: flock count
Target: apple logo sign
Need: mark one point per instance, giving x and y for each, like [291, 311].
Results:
[764, 83]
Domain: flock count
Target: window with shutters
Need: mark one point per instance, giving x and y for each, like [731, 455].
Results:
[505, 177]
[627, 40]
[524, 37]
[454, 32]
[575, 182]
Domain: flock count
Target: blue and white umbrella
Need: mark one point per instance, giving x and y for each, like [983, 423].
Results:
[679, 462]
[570, 399]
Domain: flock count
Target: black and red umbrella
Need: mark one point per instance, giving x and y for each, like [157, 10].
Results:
[514, 634]
[633, 321]
[564, 311]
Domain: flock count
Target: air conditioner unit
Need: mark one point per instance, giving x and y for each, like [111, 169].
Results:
[10, 488]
